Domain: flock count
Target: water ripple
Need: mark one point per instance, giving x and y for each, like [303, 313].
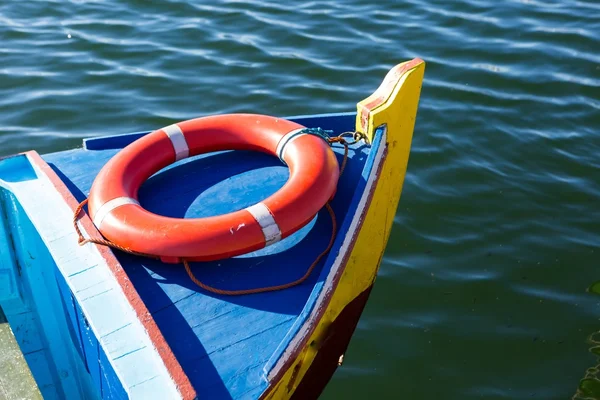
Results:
[482, 290]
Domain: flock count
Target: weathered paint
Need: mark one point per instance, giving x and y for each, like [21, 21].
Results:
[221, 361]
[39, 329]
[57, 248]
[381, 97]
[227, 347]
[158, 344]
[396, 111]
[281, 359]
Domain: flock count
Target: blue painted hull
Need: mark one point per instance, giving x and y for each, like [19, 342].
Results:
[215, 346]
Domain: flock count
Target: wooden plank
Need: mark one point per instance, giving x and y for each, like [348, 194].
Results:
[224, 344]
[16, 380]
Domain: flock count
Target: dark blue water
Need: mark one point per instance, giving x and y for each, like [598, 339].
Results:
[484, 289]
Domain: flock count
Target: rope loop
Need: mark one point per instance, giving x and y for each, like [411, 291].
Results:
[325, 134]
[356, 136]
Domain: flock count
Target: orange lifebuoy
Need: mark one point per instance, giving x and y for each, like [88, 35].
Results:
[116, 212]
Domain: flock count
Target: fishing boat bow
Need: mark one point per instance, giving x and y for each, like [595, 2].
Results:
[100, 323]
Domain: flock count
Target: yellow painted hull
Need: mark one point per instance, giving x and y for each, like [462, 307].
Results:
[394, 107]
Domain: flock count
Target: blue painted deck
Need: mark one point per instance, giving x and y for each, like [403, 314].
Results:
[225, 344]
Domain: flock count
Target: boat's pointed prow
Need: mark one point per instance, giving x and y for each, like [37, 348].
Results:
[386, 119]
[393, 107]
[394, 103]
[389, 113]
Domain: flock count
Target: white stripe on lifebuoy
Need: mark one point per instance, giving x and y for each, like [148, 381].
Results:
[287, 139]
[178, 140]
[263, 216]
[110, 205]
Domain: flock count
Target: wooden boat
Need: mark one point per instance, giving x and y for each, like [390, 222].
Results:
[99, 323]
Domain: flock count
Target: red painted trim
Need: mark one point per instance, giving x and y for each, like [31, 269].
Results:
[383, 91]
[336, 279]
[175, 370]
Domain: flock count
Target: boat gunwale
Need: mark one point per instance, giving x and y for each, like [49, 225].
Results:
[170, 362]
[320, 305]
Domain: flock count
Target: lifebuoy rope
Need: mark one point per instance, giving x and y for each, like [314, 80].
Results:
[315, 131]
